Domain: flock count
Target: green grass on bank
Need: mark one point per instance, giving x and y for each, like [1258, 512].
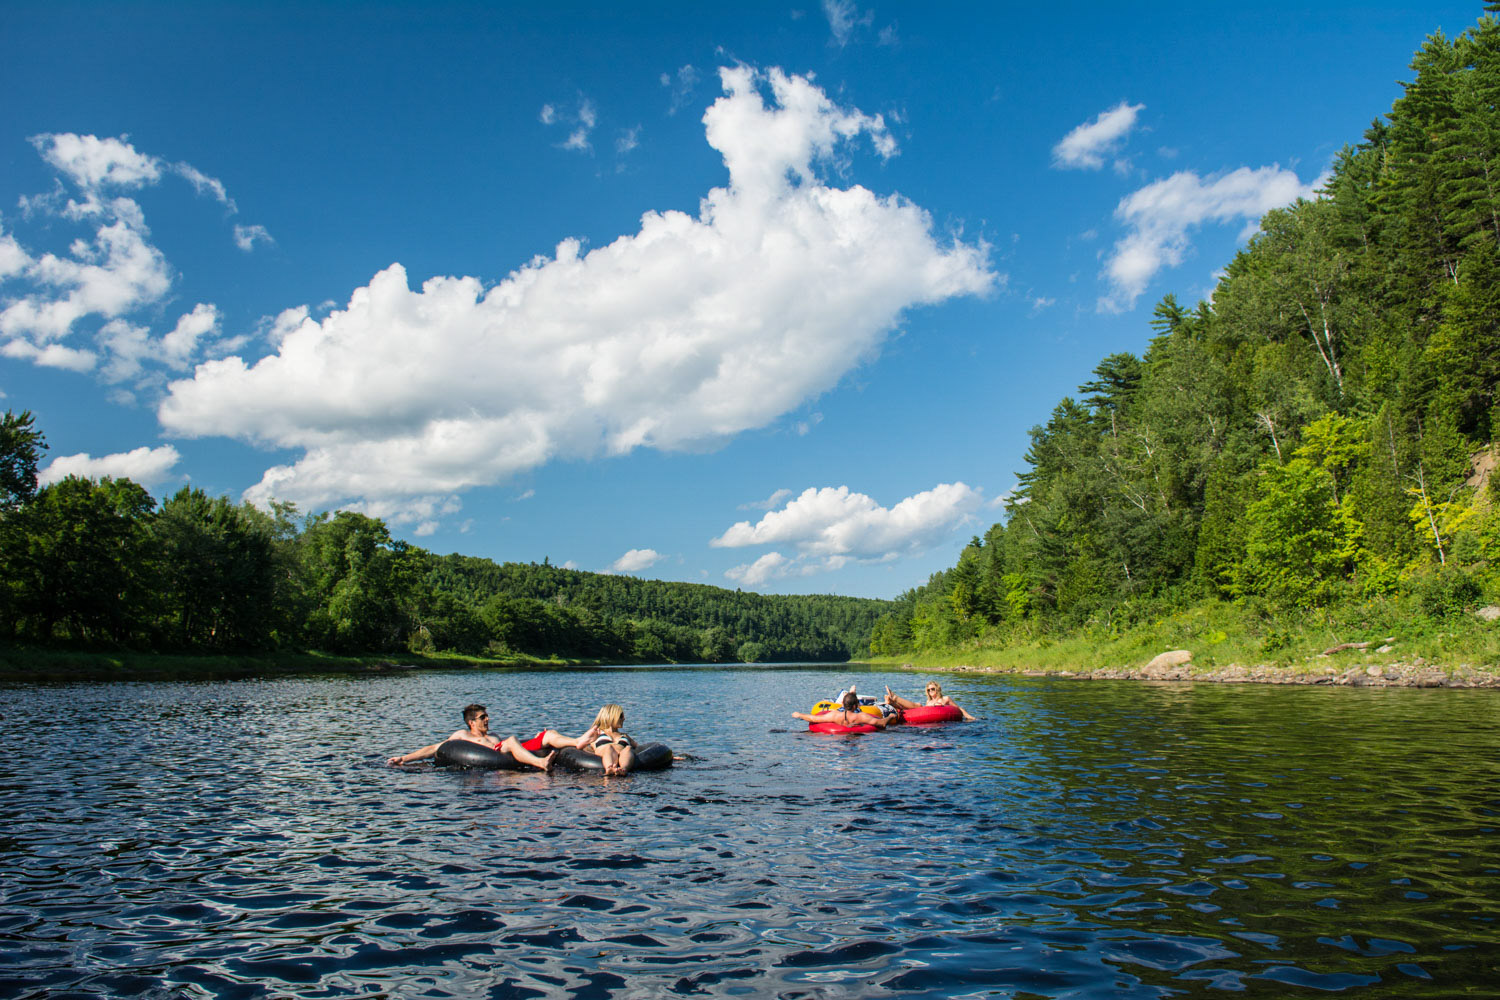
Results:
[1221, 634]
[23, 663]
[1218, 634]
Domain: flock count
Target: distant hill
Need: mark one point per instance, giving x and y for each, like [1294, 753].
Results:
[687, 621]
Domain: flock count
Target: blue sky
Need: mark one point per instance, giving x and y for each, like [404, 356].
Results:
[764, 296]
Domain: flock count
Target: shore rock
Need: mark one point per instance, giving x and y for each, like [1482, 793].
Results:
[1489, 613]
[1171, 658]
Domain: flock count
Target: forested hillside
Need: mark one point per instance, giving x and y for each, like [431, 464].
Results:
[726, 624]
[101, 565]
[1315, 436]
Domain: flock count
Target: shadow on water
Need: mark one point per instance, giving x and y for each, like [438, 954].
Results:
[1099, 839]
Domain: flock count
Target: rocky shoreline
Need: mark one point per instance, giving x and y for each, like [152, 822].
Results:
[1417, 673]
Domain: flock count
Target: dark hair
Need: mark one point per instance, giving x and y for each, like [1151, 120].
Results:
[472, 712]
[851, 702]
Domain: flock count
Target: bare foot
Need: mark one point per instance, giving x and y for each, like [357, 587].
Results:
[550, 759]
[889, 697]
[588, 736]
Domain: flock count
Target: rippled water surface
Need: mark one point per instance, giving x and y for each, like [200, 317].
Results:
[1084, 839]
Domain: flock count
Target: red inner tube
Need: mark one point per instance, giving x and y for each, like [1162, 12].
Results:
[834, 727]
[931, 713]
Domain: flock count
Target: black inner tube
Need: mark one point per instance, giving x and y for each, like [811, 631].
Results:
[467, 753]
[651, 757]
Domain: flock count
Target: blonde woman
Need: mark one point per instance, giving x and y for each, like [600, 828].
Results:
[613, 748]
[935, 696]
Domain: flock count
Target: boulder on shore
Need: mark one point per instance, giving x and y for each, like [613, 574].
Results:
[1171, 658]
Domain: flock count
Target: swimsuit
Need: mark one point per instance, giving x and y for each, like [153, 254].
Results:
[622, 741]
[534, 745]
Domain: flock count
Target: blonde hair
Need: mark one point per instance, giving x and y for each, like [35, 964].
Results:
[939, 687]
[610, 718]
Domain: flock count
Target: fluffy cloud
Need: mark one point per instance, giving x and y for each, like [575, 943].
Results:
[1161, 215]
[147, 466]
[182, 342]
[276, 329]
[831, 527]
[118, 273]
[1086, 146]
[768, 567]
[50, 355]
[106, 279]
[93, 163]
[683, 334]
[635, 560]
[13, 257]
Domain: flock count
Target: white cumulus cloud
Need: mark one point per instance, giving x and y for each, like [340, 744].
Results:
[768, 567]
[682, 334]
[147, 466]
[13, 257]
[1161, 215]
[1086, 146]
[635, 560]
[832, 526]
[105, 279]
[92, 163]
[50, 355]
[117, 273]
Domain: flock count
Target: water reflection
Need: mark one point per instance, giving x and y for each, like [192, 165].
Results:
[244, 839]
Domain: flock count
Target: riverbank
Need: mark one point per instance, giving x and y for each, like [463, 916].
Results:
[34, 665]
[1395, 674]
[1377, 644]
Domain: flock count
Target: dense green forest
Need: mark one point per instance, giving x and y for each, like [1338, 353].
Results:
[102, 565]
[1314, 439]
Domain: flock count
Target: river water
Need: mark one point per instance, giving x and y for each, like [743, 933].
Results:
[1084, 839]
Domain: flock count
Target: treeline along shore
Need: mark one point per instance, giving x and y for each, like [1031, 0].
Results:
[1302, 463]
[96, 577]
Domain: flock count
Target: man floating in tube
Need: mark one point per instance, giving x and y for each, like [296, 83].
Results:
[477, 718]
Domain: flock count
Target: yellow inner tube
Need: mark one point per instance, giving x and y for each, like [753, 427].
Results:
[833, 706]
